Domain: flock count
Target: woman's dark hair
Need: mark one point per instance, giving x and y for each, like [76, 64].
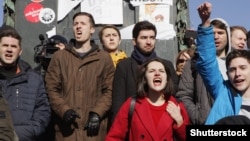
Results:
[142, 86]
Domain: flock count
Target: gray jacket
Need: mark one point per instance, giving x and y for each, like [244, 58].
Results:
[196, 98]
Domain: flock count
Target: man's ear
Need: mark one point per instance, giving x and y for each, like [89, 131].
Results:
[21, 50]
[120, 41]
[92, 30]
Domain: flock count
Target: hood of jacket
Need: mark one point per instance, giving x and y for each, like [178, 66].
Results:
[228, 47]
[221, 61]
[71, 49]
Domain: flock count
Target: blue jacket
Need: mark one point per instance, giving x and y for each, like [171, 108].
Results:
[226, 103]
[28, 102]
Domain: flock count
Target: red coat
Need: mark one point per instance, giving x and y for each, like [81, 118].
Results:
[143, 126]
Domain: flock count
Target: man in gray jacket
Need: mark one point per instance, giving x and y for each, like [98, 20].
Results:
[191, 89]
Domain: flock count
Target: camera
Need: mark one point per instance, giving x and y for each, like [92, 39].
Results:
[45, 50]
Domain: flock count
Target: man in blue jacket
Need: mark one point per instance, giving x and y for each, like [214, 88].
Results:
[232, 97]
[23, 88]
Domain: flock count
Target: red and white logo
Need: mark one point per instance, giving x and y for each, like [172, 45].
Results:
[32, 11]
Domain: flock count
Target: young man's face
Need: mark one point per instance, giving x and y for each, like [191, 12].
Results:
[10, 50]
[220, 38]
[82, 28]
[239, 74]
[145, 41]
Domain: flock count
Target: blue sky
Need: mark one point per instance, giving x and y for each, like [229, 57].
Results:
[235, 12]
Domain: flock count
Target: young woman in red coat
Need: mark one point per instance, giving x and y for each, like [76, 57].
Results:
[157, 116]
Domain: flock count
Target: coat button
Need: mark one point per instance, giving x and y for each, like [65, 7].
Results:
[142, 136]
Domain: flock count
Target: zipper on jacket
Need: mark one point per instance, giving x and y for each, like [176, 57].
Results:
[17, 96]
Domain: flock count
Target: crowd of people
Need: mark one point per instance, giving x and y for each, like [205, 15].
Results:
[93, 93]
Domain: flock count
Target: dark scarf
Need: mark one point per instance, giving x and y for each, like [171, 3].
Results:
[141, 58]
[7, 72]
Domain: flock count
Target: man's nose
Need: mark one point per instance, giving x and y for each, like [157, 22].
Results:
[111, 37]
[9, 48]
[149, 40]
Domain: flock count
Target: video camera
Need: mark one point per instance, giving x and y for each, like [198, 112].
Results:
[45, 50]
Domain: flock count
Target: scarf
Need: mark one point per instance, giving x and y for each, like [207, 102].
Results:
[8, 72]
[141, 58]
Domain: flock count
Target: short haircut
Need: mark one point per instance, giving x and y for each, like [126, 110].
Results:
[91, 19]
[143, 25]
[8, 31]
[237, 53]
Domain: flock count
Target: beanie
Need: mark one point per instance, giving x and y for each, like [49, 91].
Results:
[58, 39]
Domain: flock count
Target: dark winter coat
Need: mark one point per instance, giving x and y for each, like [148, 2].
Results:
[28, 102]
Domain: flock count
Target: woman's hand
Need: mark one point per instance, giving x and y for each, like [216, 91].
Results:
[175, 112]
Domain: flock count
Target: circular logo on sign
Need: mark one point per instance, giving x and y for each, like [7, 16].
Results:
[31, 12]
[47, 15]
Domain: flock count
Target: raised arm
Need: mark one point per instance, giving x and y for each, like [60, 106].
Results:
[207, 64]
[204, 11]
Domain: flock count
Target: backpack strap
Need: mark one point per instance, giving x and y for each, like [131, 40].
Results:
[131, 110]
[130, 114]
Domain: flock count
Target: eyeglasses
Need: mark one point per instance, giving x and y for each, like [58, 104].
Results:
[181, 60]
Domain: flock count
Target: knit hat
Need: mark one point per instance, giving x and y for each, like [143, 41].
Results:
[58, 39]
[234, 120]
